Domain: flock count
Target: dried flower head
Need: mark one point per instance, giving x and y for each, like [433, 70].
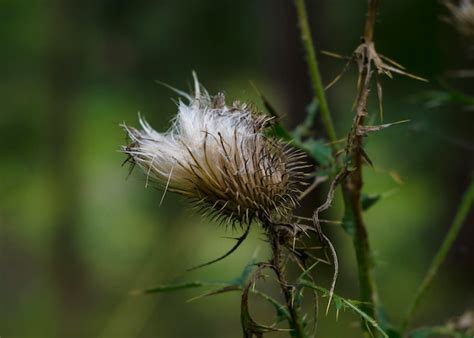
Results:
[463, 17]
[220, 157]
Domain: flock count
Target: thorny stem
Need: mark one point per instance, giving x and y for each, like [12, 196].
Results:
[368, 292]
[314, 71]
[278, 267]
[453, 232]
[352, 186]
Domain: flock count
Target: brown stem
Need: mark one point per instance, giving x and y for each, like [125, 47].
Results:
[370, 22]
[352, 186]
[278, 267]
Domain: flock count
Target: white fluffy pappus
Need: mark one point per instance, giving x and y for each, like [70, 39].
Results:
[220, 157]
[462, 16]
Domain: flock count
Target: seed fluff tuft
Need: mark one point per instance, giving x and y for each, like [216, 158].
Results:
[462, 17]
[220, 157]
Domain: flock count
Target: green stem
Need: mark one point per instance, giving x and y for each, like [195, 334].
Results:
[465, 206]
[365, 263]
[314, 71]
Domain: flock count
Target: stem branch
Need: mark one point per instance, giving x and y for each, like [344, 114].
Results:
[314, 71]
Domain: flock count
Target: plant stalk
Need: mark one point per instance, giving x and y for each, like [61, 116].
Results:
[367, 287]
[464, 207]
[278, 267]
[352, 186]
[314, 73]
[352, 190]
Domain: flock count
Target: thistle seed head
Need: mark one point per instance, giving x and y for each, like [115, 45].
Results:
[219, 156]
[463, 17]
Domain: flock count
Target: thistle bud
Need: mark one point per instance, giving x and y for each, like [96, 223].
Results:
[220, 157]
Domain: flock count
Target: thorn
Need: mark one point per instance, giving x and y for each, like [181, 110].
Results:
[335, 55]
[366, 157]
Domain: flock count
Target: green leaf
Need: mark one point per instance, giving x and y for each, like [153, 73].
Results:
[242, 279]
[348, 223]
[303, 130]
[249, 326]
[277, 129]
[178, 286]
[281, 132]
[346, 304]
[385, 323]
[368, 200]
[217, 292]
[239, 281]
[393, 333]
[321, 152]
[311, 111]
[282, 311]
[391, 330]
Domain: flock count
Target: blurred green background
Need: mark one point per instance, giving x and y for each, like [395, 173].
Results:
[76, 237]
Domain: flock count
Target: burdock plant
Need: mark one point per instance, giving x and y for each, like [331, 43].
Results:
[241, 167]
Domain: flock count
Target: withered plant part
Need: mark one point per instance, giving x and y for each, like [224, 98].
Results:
[365, 55]
[219, 157]
[462, 17]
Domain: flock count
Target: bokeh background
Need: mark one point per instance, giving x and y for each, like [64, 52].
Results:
[76, 236]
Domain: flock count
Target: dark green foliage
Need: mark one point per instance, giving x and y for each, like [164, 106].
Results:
[368, 200]
[319, 151]
[348, 223]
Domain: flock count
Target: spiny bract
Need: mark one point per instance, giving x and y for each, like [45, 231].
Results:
[220, 157]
